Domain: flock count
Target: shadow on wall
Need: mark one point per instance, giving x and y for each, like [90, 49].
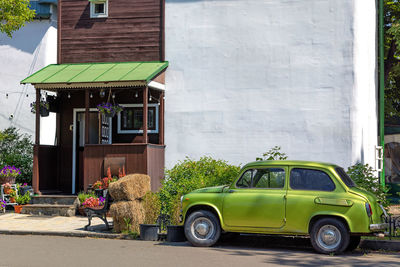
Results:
[29, 37]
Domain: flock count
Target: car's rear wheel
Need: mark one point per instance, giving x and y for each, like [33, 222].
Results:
[354, 242]
[202, 228]
[329, 235]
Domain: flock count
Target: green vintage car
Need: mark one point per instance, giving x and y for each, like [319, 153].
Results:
[298, 198]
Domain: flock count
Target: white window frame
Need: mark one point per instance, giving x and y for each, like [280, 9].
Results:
[99, 15]
[120, 131]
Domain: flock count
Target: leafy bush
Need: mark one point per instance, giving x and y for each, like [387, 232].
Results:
[17, 150]
[364, 177]
[189, 175]
[151, 207]
[273, 154]
[23, 199]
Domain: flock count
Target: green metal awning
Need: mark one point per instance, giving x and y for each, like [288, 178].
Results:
[96, 74]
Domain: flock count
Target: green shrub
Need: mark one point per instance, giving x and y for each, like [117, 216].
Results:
[188, 175]
[364, 177]
[23, 199]
[17, 150]
[82, 196]
[151, 207]
[273, 154]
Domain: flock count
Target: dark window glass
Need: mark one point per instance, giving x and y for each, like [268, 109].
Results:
[245, 180]
[269, 178]
[345, 178]
[132, 118]
[99, 8]
[307, 179]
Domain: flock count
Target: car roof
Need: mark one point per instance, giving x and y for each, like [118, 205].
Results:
[290, 163]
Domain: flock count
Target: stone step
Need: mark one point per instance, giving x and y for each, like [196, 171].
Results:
[56, 199]
[49, 209]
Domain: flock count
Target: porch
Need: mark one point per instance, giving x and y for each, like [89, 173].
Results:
[88, 142]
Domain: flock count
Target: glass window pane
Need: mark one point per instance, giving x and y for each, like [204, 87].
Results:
[269, 178]
[307, 179]
[245, 180]
[99, 8]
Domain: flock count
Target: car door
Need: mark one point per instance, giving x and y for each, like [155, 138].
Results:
[257, 199]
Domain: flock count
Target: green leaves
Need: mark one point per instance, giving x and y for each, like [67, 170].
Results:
[13, 15]
[273, 154]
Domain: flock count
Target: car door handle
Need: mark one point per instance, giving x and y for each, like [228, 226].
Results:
[231, 191]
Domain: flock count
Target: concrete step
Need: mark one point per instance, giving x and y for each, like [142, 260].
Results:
[49, 209]
[56, 200]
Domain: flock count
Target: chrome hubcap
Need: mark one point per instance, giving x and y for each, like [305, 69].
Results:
[202, 228]
[329, 237]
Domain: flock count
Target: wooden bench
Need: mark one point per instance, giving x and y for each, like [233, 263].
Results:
[99, 212]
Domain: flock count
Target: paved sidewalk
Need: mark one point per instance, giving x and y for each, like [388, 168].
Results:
[12, 223]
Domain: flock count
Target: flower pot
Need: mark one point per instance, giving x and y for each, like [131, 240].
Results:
[7, 190]
[44, 112]
[18, 208]
[149, 232]
[12, 200]
[175, 233]
[109, 115]
[7, 179]
[81, 211]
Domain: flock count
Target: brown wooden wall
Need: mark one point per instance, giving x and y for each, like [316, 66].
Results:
[140, 158]
[48, 172]
[133, 31]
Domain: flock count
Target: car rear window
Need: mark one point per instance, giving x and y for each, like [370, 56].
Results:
[345, 178]
[308, 179]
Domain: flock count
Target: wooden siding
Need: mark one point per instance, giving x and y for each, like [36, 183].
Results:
[131, 32]
[140, 158]
[48, 158]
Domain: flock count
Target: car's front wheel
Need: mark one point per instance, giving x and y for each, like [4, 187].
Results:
[202, 228]
[329, 235]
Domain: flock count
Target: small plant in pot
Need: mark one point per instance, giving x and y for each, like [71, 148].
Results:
[43, 108]
[151, 206]
[82, 196]
[7, 188]
[2, 206]
[175, 232]
[8, 174]
[12, 196]
[21, 200]
[108, 109]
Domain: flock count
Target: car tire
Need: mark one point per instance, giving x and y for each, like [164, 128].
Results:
[354, 242]
[329, 235]
[202, 228]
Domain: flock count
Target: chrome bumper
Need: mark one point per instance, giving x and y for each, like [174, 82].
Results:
[378, 226]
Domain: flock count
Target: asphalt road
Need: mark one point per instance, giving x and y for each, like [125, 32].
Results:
[69, 251]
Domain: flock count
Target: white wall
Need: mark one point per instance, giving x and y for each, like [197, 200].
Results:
[31, 48]
[247, 75]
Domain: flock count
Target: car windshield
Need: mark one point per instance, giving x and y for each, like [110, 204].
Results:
[345, 178]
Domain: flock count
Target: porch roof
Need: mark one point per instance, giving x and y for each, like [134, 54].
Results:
[83, 75]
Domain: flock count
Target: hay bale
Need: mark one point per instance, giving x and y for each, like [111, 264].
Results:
[130, 187]
[127, 212]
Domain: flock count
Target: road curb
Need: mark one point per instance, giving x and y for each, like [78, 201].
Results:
[391, 245]
[67, 234]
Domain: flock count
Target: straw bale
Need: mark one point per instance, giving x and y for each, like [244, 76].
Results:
[130, 210]
[130, 187]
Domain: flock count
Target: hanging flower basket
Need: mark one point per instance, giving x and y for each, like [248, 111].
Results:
[43, 108]
[108, 109]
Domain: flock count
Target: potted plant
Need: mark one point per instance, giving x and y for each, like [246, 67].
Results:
[82, 196]
[12, 196]
[98, 188]
[175, 232]
[7, 188]
[43, 108]
[108, 109]
[93, 202]
[151, 207]
[21, 200]
[2, 206]
[8, 174]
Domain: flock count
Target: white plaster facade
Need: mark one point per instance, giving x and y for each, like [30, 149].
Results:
[30, 49]
[247, 75]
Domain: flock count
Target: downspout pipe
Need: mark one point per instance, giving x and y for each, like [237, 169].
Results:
[381, 88]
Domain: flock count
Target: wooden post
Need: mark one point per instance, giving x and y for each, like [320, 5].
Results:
[35, 175]
[161, 121]
[145, 112]
[87, 116]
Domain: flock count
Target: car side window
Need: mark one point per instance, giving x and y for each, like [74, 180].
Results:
[269, 178]
[308, 179]
[245, 180]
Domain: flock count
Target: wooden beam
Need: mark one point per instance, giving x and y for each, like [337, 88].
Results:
[59, 61]
[145, 113]
[162, 30]
[35, 174]
[86, 116]
[161, 120]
